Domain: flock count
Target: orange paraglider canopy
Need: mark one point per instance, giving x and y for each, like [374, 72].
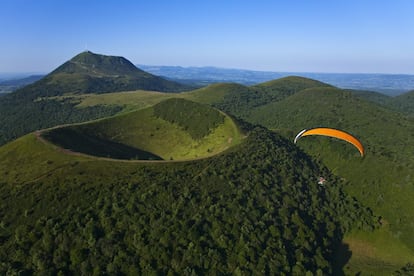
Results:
[331, 132]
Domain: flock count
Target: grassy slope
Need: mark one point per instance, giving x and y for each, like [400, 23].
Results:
[142, 130]
[377, 252]
[133, 100]
[51, 160]
[212, 93]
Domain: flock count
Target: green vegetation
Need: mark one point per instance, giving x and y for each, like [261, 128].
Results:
[35, 106]
[198, 120]
[163, 130]
[256, 209]
[382, 179]
[376, 179]
[141, 217]
[404, 103]
[287, 86]
[76, 140]
[371, 96]
[240, 102]
[20, 117]
[213, 93]
[93, 73]
[377, 252]
[132, 100]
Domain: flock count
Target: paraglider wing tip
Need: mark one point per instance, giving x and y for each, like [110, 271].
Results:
[298, 136]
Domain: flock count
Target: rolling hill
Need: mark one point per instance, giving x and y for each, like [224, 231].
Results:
[371, 96]
[404, 103]
[240, 102]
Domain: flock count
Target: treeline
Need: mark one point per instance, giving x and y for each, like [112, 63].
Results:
[197, 119]
[21, 115]
[255, 210]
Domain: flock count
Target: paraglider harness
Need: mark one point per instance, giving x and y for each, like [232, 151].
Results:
[321, 181]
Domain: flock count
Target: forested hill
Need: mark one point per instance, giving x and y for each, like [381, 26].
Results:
[93, 73]
[256, 209]
[245, 99]
[40, 105]
[404, 103]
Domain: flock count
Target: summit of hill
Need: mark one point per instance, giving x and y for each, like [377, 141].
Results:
[88, 72]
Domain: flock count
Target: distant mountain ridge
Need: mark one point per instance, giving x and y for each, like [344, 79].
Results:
[390, 84]
[10, 85]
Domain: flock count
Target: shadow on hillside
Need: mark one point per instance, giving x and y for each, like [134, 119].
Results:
[76, 141]
[341, 257]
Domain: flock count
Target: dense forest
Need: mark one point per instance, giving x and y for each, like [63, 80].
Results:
[21, 115]
[256, 209]
[197, 119]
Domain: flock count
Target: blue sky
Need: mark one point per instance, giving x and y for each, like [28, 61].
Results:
[345, 36]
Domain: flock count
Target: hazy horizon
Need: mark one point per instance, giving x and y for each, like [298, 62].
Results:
[298, 36]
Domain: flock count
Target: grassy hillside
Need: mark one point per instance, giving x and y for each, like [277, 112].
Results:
[128, 101]
[255, 209]
[133, 100]
[174, 129]
[213, 93]
[375, 253]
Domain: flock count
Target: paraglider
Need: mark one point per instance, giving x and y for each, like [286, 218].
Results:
[331, 132]
[321, 181]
